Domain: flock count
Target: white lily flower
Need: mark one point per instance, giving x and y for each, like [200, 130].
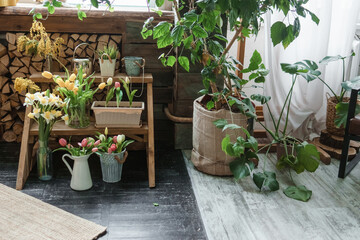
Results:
[36, 112]
[47, 116]
[120, 138]
[66, 119]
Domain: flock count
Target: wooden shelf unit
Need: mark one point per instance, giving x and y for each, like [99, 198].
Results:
[144, 134]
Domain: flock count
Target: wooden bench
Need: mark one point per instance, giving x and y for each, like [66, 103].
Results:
[144, 136]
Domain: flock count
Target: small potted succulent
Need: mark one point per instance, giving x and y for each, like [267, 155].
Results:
[107, 60]
[80, 173]
[112, 152]
[118, 113]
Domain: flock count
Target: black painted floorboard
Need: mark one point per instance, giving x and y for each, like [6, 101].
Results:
[126, 208]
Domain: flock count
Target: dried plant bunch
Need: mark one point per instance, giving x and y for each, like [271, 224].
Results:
[24, 84]
[39, 42]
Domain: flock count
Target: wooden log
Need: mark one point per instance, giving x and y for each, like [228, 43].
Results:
[5, 60]
[11, 38]
[4, 98]
[101, 45]
[8, 125]
[113, 44]
[69, 51]
[7, 118]
[19, 138]
[13, 69]
[19, 35]
[92, 38]
[9, 136]
[12, 87]
[3, 80]
[3, 70]
[17, 54]
[32, 70]
[26, 61]
[6, 106]
[24, 69]
[15, 104]
[83, 37]
[116, 38]
[12, 47]
[37, 58]
[75, 36]
[18, 127]
[17, 63]
[334, 152]
[104, 38]
[21, 115]
[3, 50]
[6, 88]
[18, 74]
[70, 43]
[65, 36]
[38, 66]
[14, 97]
[55, 35]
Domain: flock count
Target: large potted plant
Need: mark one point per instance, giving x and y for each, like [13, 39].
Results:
[118, 113]
[199, 30]
[293, 153]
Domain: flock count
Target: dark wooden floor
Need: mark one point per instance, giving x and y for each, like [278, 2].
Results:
[126, 208]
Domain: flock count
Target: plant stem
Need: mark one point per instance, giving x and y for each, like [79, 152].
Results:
[329, 88]
[288, 109]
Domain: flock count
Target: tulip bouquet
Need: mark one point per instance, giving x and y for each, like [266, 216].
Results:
[46, 111]
[78, 94]
[107, 144]
[84, 147]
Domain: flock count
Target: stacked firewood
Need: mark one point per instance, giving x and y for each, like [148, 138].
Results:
[15, 64]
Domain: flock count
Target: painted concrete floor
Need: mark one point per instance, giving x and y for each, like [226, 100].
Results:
[237, 210]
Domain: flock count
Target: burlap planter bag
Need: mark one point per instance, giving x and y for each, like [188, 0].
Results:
[207, 155]
[331, 115]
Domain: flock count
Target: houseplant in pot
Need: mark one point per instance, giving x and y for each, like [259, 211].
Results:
[107, 60]
[199, 31]
[112, 152]
[293, 153]
[80, 173]
[118, 113]
[46, 111]
[78, 94]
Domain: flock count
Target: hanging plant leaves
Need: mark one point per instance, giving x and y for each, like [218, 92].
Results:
[300, 193]
[266, 181]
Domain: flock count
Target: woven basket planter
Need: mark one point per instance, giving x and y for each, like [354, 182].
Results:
[331, 115]
[122, 116]
[207, 155]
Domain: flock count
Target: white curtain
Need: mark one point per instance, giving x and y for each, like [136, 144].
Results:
[334, 35]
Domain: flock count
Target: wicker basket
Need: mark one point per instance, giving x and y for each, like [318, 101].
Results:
[331, 115]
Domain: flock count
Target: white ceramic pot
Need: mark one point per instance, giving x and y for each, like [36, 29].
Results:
[80, 173]
[107, 68]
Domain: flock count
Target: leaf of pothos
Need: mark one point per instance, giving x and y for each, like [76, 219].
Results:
[266, 181]
[300, 193]
[220, 123]
[260, 98]
[240, 168]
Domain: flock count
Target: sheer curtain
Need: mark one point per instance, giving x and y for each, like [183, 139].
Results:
[334, 35]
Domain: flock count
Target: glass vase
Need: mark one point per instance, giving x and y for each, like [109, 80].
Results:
[44, 161]
[79, 115]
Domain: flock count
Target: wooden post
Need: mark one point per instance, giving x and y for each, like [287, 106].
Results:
[150, 144]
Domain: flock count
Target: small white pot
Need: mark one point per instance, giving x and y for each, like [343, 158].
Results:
[107, 68]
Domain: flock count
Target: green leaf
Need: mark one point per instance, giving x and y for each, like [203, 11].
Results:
[314, 17]
[164, 41]
[238, 149]
[220, 123]
[352, 84]
[187, 42]
[171, 61]
[296, 27]
[95, 3]
[240, 169]
[45, 4]
[289, 68]
[37, 16]
[199, 32]
[159, 3]
[289, 37]
[225, 142]
[328, 59]
[184, 62]
[155, 204]
[253, 142]
[161, 29]
[51, 9]
[209, 21]
[266, 181]
[146, 34]
[220, 37]
[210, 105]
[177, 34]
[278, 32]
[260, 79]
[256, 58]
[81, 15]
[342, 109]
[231, 126]
[308, 156]
[300, 193]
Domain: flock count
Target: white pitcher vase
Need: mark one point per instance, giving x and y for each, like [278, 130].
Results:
[80, 174]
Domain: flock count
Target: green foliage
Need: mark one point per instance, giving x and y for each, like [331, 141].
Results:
[300, 193]
[266, 180]
[108, 52]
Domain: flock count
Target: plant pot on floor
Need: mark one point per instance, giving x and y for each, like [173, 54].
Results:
[107, 67]
[113, 116]
[111, 166]
[80, 173]
[331, 115]
[207, 155]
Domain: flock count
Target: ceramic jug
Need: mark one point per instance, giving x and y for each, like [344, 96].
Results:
[80, 174]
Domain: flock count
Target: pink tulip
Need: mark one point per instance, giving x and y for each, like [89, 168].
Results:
[115, 139]
[109, 151]
[94, 149]
[62, 142]
[89, 144]
[69, 146]
[117, 85]
[84, 142]
[113, 147]
[97, 142]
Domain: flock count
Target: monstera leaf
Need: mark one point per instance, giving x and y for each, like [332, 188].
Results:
[300, 193]
[266, 180]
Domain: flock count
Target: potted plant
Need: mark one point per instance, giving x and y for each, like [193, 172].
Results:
[78, 94]
[46, 111]
[293, 153]
[118, 113]
[113, 154]
[40, 44]
[107, 60]
[80, 173]
[199, 31]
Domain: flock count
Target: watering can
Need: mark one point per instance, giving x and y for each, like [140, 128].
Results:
[85, 63]
[133, 65]
[80, 173]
